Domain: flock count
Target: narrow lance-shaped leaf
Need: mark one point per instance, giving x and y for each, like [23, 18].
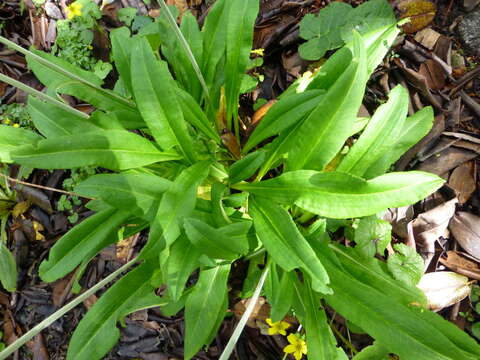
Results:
[342, 196]
[122, 46]
[130, 191]
[154, 91]
[215, 243]
[394, 319]
[203, 306]
[85, 86]
[320, 340]
[285, 113]
[181, 262]
[321, 136]
[12, 138]
[414, 129]
[288, 248]
[113, 149]
[97, 332]
[82, 241]
[374, 142]
[54, 121]
[241, 20]
[176, 204]
[8, 269]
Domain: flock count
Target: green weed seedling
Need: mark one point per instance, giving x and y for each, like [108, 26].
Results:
[212, 197]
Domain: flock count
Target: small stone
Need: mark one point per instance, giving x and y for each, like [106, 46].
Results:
[469, 31]
[469, 5]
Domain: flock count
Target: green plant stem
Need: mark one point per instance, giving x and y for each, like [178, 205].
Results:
[62, 311]
[61, 70]
[41, 95]
[246, 315]
[186, 48]
[345, 341]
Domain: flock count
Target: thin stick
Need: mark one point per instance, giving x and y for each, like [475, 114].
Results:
[44, 187]
[186, 47]
[41, 95]
[62, 311]
[62, 71]
[246, 315]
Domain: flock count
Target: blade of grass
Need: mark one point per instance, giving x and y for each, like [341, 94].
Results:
[186, 47]
[62, 311]
[246, 315]
[61, 70]
[41, 95]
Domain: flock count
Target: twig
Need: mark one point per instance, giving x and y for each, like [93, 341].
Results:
[45, 187]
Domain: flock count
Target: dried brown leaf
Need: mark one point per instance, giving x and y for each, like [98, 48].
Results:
[463, 181]
[430, 225]
[420, 12]
[465, 227]
[461, 264]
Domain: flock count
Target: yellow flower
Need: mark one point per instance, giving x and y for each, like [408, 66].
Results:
[259, 52]
[16, 125]
[277, 327]
[7, 121]
[297, 346]
[74, 9]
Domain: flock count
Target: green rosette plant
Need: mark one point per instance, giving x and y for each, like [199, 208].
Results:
[178, 163]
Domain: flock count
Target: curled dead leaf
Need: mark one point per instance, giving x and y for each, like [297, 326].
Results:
[465, 227]
[430, 225]
[463, 180]
[420, 12]
[462, 264]
[444, 288]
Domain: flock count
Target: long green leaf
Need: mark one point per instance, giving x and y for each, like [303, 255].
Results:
[97, 332]
[154, 91]
[122, 46]
[195, 116]
[54, 121]
[134, 192]
[241, 20]
[322, 135]
[288, 248]
[394, 319]
[8, 269]
[341, 196]
[320, 340]
[374, 142]
[176, 204]
[413, 130]
[217, 243]
[81, 242]
[285, 113]
[181, 262]
[203, 306]
[11, 138]
[114, 149]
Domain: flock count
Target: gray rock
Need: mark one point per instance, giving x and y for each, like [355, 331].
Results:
[469, 31]
[469, 5]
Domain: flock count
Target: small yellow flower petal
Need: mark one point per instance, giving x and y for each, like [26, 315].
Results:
[7, 121]
[292, 339]
[74, 9]
[16, 125]
[269, 322]
[272, 331]
[289, 349]
[259, 52]
[298, 355]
